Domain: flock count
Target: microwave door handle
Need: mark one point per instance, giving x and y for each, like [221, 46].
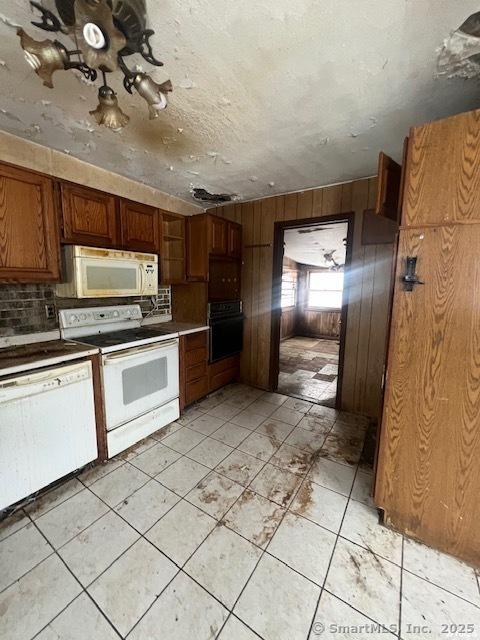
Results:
[142, 278]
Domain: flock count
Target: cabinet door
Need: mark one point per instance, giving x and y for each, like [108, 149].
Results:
[428, 478]
[89, 217]
[197, 249]
[389, 181]
[442, 181]
[234, 240]
[140, 227]
[218, 236]
[29, 244]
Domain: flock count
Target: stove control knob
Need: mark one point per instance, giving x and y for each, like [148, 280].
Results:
[83, 316]
[74, 318]
[115, 314]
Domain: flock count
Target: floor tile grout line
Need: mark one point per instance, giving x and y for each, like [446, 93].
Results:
[61, 483]
[10, 584]
[263, 550]
[83, 589]
[16, 530]
[331, 558]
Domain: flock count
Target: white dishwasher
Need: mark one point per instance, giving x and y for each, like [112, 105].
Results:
[47, 428]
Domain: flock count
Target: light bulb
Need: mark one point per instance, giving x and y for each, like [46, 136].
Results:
[94, 36]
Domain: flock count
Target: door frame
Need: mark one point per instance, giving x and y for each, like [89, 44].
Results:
[276, 312]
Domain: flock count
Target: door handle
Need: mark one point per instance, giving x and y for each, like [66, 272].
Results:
[410, 278]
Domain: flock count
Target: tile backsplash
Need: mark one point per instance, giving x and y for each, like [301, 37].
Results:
[22, 307]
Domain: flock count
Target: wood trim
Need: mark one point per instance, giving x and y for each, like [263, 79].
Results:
[99, 408]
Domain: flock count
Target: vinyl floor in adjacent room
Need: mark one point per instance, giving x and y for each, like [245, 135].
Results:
[248, 518]
[309, 369]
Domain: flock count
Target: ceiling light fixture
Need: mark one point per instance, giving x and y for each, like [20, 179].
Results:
[105, 32]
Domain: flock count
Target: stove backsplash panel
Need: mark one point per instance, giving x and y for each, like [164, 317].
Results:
[22, 307]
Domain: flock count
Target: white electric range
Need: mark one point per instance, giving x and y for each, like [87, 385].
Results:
[140, 370]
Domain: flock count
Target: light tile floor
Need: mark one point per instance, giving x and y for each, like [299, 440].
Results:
[253, 522]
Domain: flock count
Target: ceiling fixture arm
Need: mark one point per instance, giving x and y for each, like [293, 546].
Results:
[49, 21]
[145, 48]
[128, 75]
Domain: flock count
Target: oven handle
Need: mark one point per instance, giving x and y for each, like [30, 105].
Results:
[128, 353]
[238, 316]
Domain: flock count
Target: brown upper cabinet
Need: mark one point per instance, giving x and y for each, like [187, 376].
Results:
[139, 227]
[436, 152]
[389, 188]
[209, 236]
[29, 247]
[234, 240]
[89, 217]
[218, 236]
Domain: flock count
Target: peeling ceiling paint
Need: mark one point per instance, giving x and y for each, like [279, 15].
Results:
[269, 98]
[322, 246]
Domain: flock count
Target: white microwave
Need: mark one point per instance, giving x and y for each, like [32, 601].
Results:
[107, 273]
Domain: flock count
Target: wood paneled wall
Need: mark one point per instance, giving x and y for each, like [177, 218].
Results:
[318, 324]
[288, 324]
[368, 306]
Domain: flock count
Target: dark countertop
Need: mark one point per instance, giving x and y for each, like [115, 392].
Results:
[41, 354]
[182, 328]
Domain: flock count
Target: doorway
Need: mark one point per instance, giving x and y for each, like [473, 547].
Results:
[310, 305]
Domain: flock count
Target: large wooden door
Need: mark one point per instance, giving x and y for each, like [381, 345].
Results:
[89, 217]
[428, 479]
[29, 243]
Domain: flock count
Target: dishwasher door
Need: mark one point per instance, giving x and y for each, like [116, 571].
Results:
[47, 428]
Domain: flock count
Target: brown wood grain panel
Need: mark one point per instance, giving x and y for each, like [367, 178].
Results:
[29, 242]
[288, 323]
[317, 324]
[305, 204]
[317, 203]
[291, 205]
[264, 280]
[346, 197]
[436, 152]
[332, 200]
[428, 478]
[366, 304]
[279, 208]
[247, 289]
[382, 286]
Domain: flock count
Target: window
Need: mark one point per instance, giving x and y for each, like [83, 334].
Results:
[289, 289]
[325, 289]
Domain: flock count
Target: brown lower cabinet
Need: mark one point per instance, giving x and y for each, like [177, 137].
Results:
[193, 367]
[223, 372]
[198, 378]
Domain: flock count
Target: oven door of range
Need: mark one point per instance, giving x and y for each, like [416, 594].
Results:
[138, 380]
[226, 337]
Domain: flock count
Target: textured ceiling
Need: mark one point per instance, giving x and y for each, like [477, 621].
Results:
[269, 97]
[321, 246]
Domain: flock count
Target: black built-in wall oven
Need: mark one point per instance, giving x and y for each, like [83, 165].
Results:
[226, 329]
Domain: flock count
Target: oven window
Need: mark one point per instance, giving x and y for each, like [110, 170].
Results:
[111, 278]
[144, 380]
